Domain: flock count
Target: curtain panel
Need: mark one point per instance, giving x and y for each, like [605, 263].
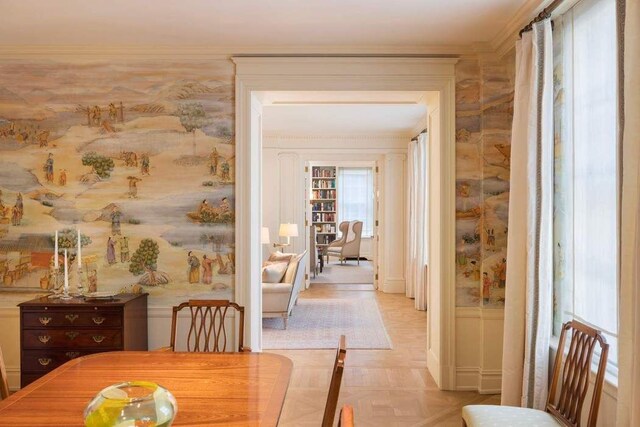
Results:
[528, 306]
[628, 413]
[417, 215]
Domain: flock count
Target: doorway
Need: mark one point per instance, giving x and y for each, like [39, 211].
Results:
[377, 74]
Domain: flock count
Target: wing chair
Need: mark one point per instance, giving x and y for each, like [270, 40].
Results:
[344, 247]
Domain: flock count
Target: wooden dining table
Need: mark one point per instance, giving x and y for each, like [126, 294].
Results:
[234, 389]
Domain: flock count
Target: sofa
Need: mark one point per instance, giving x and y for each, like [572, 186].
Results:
[278, 299]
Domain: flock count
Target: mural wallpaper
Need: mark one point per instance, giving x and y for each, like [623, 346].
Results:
[484, 110]
[138, 156]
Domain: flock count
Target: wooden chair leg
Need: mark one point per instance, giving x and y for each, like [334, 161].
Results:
[286, 322]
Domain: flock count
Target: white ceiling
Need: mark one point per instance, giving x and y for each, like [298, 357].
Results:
[343, 113]
[255, 23]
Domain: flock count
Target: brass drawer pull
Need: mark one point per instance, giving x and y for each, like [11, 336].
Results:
[72, 354]
[44, 338]
[98, 320]
[98, 338]
[44, 361]
[71, 317]
[44, 320]
[72, 334]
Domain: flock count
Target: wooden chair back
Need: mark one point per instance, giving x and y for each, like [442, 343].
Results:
[4, 381]
[336, 381]
[346, 417]
[574, 375]
[208, 331]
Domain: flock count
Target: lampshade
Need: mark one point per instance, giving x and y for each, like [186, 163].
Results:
[264, 237]
[288, 230]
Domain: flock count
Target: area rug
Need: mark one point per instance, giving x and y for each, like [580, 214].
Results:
[318, 323]
[349, 272]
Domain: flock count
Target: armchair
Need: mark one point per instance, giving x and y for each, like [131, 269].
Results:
[347, 246]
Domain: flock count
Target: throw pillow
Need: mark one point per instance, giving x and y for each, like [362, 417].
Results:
[280, 257]
[273, 272]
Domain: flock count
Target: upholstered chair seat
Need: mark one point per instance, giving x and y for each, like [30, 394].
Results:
[502, 416]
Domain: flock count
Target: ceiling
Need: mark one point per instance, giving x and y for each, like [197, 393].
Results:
[255, 23]
[343, 113]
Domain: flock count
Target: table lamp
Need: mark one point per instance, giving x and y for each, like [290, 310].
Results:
[287, 230]
[264, 237]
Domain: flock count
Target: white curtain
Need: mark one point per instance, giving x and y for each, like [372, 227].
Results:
[417, 215]
[629, 332]
[527, 322]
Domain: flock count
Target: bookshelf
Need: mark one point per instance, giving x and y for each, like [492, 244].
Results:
[324, 203]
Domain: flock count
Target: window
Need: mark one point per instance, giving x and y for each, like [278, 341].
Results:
[586, 200]
[355, 197]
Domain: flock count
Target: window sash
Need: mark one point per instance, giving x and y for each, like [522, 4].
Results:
[355, 197]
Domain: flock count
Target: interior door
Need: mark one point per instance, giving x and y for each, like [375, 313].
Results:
[376, 224]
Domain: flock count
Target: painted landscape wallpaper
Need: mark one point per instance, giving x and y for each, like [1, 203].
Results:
[139, 156]
[484, 111]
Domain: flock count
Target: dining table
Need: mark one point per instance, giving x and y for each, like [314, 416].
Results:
[231, 389]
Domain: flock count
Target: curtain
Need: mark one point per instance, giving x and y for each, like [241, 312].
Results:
[527, 322]
[417, 214]
[628, 413]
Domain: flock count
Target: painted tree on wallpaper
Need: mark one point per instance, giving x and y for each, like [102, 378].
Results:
[139, 156]
[484, 110]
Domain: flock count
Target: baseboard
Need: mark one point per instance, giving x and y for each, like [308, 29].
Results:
[471, 378]
[394, 286]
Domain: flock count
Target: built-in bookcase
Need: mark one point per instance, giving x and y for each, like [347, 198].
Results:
[323, 201]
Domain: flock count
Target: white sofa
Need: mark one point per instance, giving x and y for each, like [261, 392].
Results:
[278, 299]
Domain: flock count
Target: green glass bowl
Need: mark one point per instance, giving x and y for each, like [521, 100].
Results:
[131, 404]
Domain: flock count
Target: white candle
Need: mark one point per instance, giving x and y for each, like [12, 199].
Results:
[79, 250]
[66, 272]
[55, 257]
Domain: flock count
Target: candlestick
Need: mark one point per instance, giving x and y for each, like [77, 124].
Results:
[65, 293]
[55, 259]
[79, 250]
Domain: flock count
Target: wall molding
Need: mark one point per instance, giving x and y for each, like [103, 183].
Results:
[484, 381]
[506, 38]
[394, 285]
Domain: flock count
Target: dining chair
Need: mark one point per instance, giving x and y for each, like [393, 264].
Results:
[334, 386]
[208, 329]
[4, 382]
[346, 417]
[564, 405]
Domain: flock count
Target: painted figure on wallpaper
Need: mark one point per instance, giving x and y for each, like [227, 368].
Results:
[486, 287]
[207, 269]
[177, 115]
[194, 265]
[48, 168]
[124, 249]
[214, 159]
[62, 180]
[111, 251]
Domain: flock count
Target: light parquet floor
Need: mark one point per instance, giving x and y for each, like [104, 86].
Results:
[386, 387]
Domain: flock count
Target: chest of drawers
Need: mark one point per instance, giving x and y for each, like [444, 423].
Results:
[54, 331]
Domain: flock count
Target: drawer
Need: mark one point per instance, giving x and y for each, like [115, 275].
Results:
[53, 319]
[27, 378]
[46, 360]
[71, 338]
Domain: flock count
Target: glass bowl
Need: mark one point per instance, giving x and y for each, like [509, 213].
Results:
[131, 404]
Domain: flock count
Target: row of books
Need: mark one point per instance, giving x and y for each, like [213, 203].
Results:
[323, 206]
[323, 217]
[325, 239]
[323, 194]
[323, 183]
[323, 173]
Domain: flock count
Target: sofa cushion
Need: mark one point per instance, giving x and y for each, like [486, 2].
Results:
[290, 275]
[276, 288]
[273, 272]
[280, 257]
[492, 415]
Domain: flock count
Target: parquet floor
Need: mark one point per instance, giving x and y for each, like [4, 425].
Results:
[386, 387]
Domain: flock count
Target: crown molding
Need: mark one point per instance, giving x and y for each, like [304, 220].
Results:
[186, 51]
[338, 137]
[505, 40]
